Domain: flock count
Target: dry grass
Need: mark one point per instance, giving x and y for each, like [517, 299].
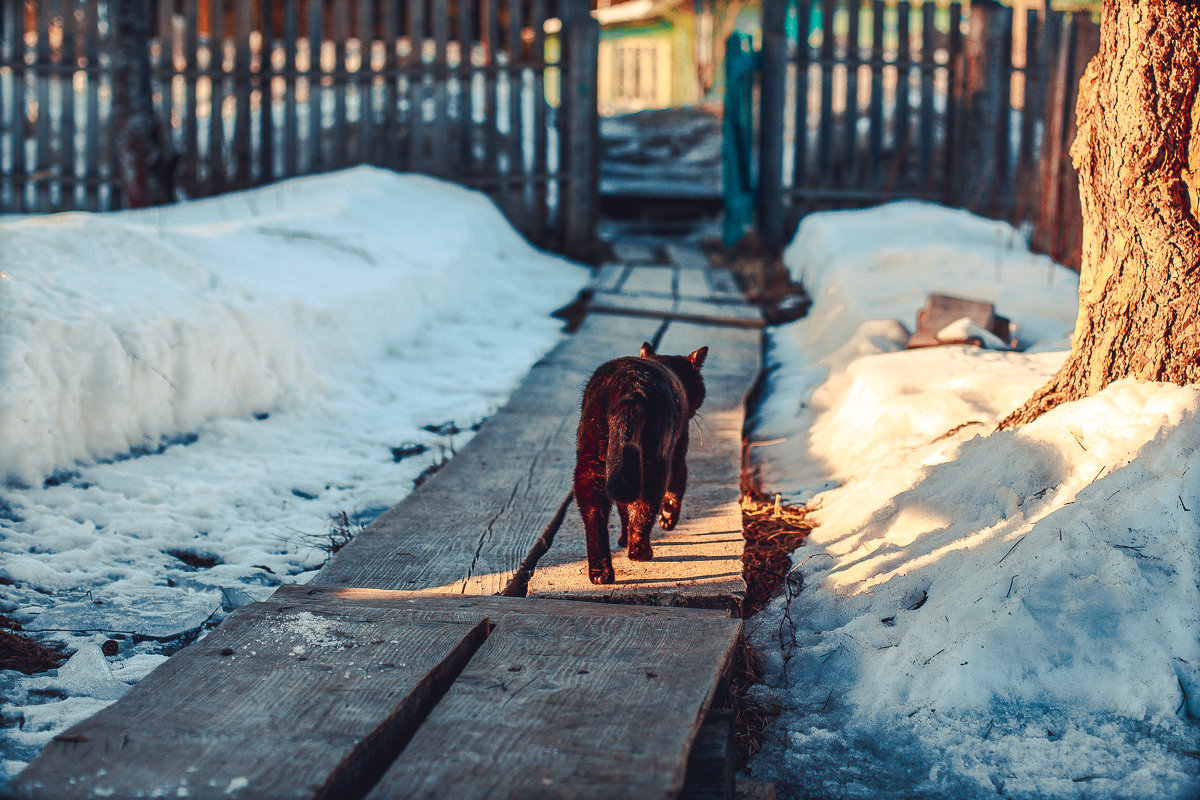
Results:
[25, 654]
[772, 532]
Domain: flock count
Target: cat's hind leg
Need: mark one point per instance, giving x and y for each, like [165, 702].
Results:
[594, 507]
[642, 515]
[673, 498]
[623, 538]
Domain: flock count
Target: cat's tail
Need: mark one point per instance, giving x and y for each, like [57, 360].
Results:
[623, 461]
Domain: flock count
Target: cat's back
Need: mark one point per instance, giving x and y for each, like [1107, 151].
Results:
[630, 377]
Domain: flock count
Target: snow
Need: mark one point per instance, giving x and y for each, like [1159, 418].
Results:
[977, 613]
[190, 394]
[217, 379]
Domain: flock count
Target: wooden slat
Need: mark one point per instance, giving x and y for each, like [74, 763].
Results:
[242, 153]
[903, 140]
[825, 146]
[391, 143]
[609, 277]
[538, 209]
[472, 528]
[417, 133]
[216, 128]
[489, 32]
[365, 33]
[853, 60]
[316, 35]
[284, 699]
[41, 188]
[928, 65]
[341, 155]
[190, 155]
[715, 312]
[514, 146]
[467, 17]
[698, 563]
[576, 706]
[692, 283]
[290, 134]
[803, 58]
[952, 123]
[875, 145]
[70, 60]
[20, 105]
[265, 168]
[649, 280]
[442, 150]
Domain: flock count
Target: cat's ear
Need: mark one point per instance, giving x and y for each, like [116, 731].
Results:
[697, 358]
[648, 350]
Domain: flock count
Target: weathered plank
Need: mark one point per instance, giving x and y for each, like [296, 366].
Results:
[282, 700]
[687, 256]
[693, 283]
[471, 529]
[578, 705]
[634, 252]
[712, 311]
[649, 280]
[699, 563]
[609, 277]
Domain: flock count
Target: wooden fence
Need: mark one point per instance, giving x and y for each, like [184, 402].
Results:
[868, 100]
[496, 94]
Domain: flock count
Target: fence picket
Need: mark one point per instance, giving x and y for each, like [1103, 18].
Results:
[875, 136]
[825, 146]
[853, 62]
[928, 66]
[255, 91]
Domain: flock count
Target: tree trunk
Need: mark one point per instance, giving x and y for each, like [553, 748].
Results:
[1138, 157]
[145, 162]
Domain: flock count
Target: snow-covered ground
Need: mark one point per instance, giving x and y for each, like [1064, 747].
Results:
[982, 613]
[976, 613]
[216, 380]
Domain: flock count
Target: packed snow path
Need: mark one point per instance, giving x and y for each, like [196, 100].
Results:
[385, 677]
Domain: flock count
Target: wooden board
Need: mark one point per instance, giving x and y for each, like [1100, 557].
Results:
[609, 277]
[699, 563]
[650, 280]
[316, 691]
[687, 257]
[282, 700]
[471, 528]
[634, 252]
[564, 705]
[712, 312]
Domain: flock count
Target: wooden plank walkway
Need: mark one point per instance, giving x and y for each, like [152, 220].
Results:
[398, 671]
[322, 692]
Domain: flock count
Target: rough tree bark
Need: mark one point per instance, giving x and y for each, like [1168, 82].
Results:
[145, 162]
[1138, 157]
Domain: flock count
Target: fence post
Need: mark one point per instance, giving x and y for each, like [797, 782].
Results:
[145, 163]
[581, 141]
[774, 70]
[737, 138]
[983, 164]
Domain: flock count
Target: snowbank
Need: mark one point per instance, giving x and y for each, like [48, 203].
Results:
[982, 613]
[189, 393]
[122, 330]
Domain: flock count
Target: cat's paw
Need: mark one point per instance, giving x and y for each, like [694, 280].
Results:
[601, 576]
[669, 516]
[645, 553]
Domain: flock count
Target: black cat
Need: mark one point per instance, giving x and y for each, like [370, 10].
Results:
[632, 450]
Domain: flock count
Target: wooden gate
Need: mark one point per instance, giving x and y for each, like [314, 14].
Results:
[496, 94]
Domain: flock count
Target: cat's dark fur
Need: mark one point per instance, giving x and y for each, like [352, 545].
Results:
[632, 450]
